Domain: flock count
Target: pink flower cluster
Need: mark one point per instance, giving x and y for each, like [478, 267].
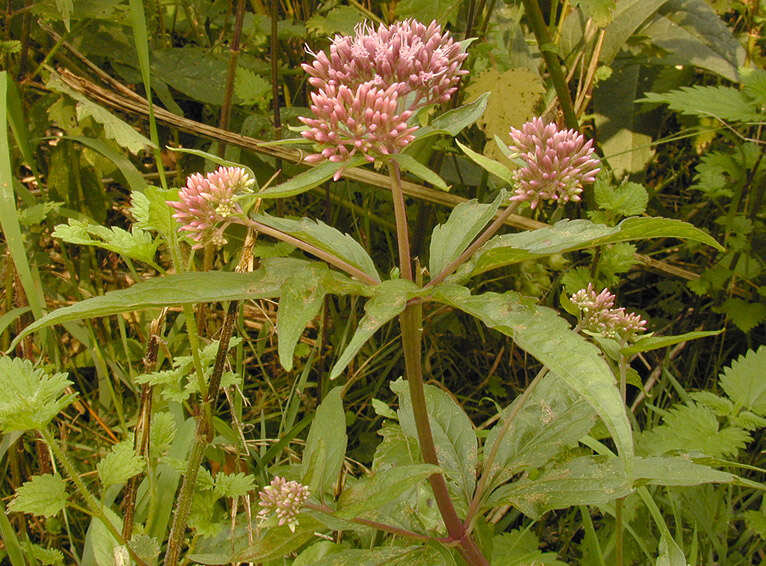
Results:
[283, 498]
[206, 202]
[597, 314]
[370, 84]
[558, 162]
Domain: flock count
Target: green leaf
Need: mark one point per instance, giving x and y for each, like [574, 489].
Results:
[31, 397]
[378, 490]
[325, 237]
[325, 446]
[44, 555]
[233, 485]
[628, 199]
[250, 89]
[312, 178]
[745, 381]
[41, 495]
[656, 342]
[409, 163]
[120, 464]
[495, 167]
[299, 304]
[572, 235]
[553, 417]
[138, 245]
[722, 102]
[146, 547]
[602, 11]
[388, 301]
[676, 471]
[744, 314]
[454, 121]
[205, 287]
[754, 83]
[442, 11]
[541, 332]
[589, 480]
[163, 432]
[339, 19]
[756, 522]
[521, 548]
[453, 434]
[378, 556]
[132, 175]
[628, 17]
[465, 222]
[151, 211]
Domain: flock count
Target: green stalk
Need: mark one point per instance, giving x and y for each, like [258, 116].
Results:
[619, 503]
[11, 542]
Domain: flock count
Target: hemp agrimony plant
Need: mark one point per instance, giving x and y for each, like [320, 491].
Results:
[376, 95]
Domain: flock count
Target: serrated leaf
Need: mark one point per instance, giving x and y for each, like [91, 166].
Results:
[388, 301]
[745, 381]
[721, 102]
[628, 199]
[409, 163]
[120, 464]
[325, 446]
[754, 83]
[250, 89]
[676, 471]
[541, 332]
[340, 19]
[44, 555]
[163, 432]
[151, 211]
[146, 547]
[233, 485]
[465, 222]
[31, 397]
[138, 245]
[309, 179]
[744, 314]
[373, 492]
[756, 522]
[454, 437]
[41, 495]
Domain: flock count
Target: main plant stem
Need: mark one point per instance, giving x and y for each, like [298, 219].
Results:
[411, 321]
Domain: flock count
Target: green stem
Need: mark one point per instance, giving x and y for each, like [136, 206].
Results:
[550, 53]
[619, 503]
[400, 215]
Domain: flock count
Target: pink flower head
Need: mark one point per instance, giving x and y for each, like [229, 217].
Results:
[361, 120]
[207, 201]
[558, 162]
[422, 61]
[597, 314]
[283, 498]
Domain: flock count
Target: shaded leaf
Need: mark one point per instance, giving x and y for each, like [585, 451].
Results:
[655, 342]
[325, 446]
[521, 548]
[495, 167]
[722, 102]
[745, 380]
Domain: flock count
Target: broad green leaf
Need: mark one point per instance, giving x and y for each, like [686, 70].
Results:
[628, 199]
[553, 417]
[396, 449]
[132, 175]
[602, 11]
[454, 437]
[339, 19]
[194, 71]
[380, 556]
[41, 495]
[409, 163]
[745, 381]
[31, 397]
[572, 235]
[205, 287]
[310, 555]
[495, 167]
[376, 491]
[120, 464]
[325, 446]
[465, 222]
[325, 237]
[137, 244]
[388, 301]
[589, 480]
[45, 556]
[521, 548]
[670, 553]
[675, 471]
[299, 304]
[312, 178]
[151, 211]
[250, 88]
[146, 547]
[628, 17]
[442, 11]
[655, 342]
[100, 545]
[548, 337]
[273, 543]
[233, 485]
[722, 102]
[454, 121]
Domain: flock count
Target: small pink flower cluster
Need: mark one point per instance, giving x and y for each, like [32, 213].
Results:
[205, 202]
[597, 314]
[285, 499]
[372, 83]
[558, 163]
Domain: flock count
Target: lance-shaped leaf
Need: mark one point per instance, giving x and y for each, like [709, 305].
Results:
[300, 302]
[309, 179]
[672, 470]
[465, 222]
[324, 237]
[490, 165]
[454, 121]
[655, 342]
[388, 300]
[548, 337]
[325, 445]
[572, 235]
[409, 163]
[206, 287]
[454, 437]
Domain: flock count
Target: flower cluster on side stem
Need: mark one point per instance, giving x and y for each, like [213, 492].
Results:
[371, 83]
[207, 202]
[597, 314]
[283, 498]
[558, 163]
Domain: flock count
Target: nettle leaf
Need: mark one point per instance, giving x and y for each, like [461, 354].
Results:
[31, 397]
[233, 485]
[756, 522]
[722, 102]
[693, 428]
[590, 480]
[43, 555]
[465, 222]
[250, 89]
[572, 235]
[521, 548]
[388, 301]
[744, 314]
[549, 338]
[454, 437]
[162, 434]
[754, 83]
[553, 417]
[745, 381]
[628, 199]
[138, 245]
[374, 492]
[120, 464]
[151, 211]
[41, 495]
[325, 446]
